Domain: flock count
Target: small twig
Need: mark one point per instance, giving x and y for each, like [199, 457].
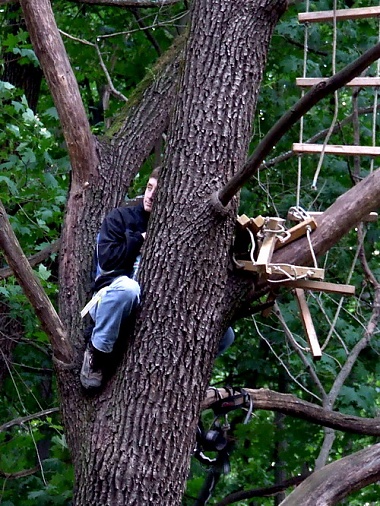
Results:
[19, 474]
[282, 362]
[300, 353]
[261, 492]
[23, 419]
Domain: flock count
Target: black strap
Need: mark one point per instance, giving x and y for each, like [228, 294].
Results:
[238, 398]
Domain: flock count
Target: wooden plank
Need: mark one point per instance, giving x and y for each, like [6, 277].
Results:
[334, 149]
[308, 324]
[295, 271]
[266, 250]
[320, 286]
[314, 214]
[296, 232]
[280, 269]
[357, 81]
[340, 14]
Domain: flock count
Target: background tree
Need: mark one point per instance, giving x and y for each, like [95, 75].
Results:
[138, 454]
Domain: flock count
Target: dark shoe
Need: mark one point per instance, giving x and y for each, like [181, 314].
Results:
[91, 374]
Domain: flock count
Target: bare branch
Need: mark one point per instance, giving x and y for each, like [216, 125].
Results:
[317, 93]
[23, 419]
[261, 492]
[34, 260]
[20, 474]
[290, 405]
[32, 287]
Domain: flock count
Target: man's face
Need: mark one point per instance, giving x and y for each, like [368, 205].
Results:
[149, 194]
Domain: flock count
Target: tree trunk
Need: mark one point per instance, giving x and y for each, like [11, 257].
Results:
[132, 443]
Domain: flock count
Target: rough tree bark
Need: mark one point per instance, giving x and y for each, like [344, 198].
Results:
[140, 454]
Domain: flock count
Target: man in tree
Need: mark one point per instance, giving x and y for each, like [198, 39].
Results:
[117, 292]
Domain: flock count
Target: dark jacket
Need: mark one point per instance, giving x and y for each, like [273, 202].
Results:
[118, 244]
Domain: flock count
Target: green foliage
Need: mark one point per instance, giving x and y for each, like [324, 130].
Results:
[34, 170]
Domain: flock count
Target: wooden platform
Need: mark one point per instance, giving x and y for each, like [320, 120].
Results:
[334, 149]
[340, 14]
[358, 81]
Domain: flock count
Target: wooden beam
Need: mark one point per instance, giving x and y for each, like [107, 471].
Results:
[314, 214]
[340, 14]
[308, 324]
[320, 286]
[357, 81]
[296, 232]
[334, 149]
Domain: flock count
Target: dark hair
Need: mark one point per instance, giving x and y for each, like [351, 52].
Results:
[155, 174]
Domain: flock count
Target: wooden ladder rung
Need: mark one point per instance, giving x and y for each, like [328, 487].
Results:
[340, 14]
[333, 149]
[357, 81]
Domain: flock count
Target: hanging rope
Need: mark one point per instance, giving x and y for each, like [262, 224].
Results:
[336, 106]
[375, 100]
[305, 53]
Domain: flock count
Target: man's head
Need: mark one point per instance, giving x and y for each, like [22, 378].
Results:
[150, 190]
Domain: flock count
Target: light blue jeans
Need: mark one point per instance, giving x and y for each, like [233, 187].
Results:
[116, 305]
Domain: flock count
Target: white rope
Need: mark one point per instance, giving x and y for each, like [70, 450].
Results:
[374, 114]
[253, 243]
[305, 53]
[336, 105]
[308, 232]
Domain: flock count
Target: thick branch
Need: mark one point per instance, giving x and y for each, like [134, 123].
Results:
[291, 405]
[316, 94]
[346, 212]
[63, 86]
[42, 305]
[337, 480]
